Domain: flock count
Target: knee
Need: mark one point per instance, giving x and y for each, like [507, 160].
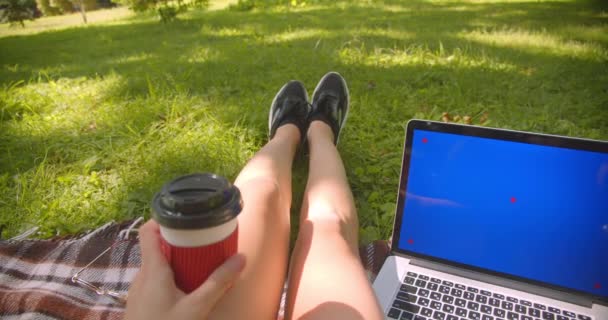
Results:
[332, 223]
[331, 216]
[261, 191]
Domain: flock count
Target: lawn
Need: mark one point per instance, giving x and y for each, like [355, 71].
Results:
[93, 119]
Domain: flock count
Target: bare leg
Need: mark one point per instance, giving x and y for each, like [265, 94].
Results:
[327, 280]
[265, 184]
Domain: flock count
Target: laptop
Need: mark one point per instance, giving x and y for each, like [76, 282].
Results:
[498, 224]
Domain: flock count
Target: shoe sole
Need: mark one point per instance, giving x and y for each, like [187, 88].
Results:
[274, 100]
[347, 99]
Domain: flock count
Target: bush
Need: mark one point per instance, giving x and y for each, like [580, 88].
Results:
[167, 9]
[45, 7]
[17, 11]
[169, 13]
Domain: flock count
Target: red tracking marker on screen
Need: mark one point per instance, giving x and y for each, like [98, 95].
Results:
[513, 199]
[425, 140]
[410, 241]
[597, 285]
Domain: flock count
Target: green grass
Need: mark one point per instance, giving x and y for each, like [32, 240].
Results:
[95, 118]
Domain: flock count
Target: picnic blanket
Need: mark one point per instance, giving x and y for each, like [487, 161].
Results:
[36, 275]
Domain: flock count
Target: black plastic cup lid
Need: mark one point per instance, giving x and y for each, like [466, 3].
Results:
[196, 201]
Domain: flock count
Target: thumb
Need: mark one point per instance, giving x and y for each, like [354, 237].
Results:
[209, 293]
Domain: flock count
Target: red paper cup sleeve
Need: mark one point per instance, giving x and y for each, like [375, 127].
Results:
[192, 266]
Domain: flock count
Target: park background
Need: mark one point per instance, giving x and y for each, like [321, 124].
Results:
[95, 117]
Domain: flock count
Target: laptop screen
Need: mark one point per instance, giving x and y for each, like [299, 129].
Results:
[524, 210]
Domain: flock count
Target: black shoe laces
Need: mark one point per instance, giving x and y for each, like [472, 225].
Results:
[294, 111]
[297, 108]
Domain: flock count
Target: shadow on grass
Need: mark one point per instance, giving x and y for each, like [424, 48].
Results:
[531, 65]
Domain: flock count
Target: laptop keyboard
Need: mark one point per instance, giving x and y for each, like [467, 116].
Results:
[424, 298]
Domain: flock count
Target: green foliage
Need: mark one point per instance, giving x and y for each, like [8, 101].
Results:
[47, 9]
[64, 6]
[247, 5]
[16, 11]
[55, 7]
[168, 13]
[167, 9]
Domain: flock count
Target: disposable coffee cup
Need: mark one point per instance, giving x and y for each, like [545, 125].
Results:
[197, 215]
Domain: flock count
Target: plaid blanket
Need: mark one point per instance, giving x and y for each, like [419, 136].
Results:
[36, 275]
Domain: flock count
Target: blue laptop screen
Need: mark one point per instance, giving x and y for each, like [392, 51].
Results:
[531, 211]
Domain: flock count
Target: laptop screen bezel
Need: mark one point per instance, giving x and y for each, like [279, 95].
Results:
[492, 133]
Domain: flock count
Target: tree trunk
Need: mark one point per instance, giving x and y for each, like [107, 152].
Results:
[83, 12]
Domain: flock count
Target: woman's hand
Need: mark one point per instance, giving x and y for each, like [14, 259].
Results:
[154, 295]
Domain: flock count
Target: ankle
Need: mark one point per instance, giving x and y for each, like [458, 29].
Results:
[289, 132]
[319, 130]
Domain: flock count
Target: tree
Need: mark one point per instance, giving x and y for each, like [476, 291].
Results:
[17, 11]
[83, 5]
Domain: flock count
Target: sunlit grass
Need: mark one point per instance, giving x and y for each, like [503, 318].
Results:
[93, 119]
[296, 35]
[132, 58]
[420, 56]
[597, 34]
[394, 34]
[537, 41]
[199, 54]
[228, 32]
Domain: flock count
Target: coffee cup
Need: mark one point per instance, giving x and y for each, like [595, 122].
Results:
[197, 214]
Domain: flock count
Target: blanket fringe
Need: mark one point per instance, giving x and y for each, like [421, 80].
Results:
[91, 234]
[28, 233]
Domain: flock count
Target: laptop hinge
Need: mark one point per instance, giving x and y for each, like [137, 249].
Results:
[512, 284]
